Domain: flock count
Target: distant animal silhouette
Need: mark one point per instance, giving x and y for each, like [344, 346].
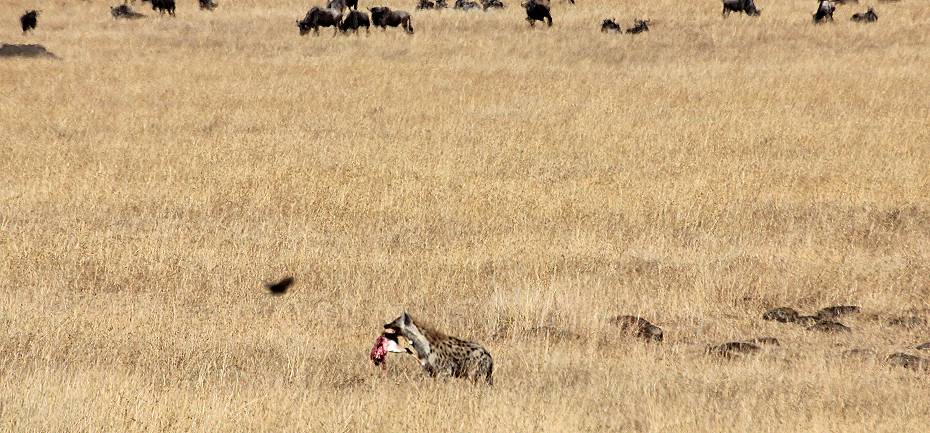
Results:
[354, 20]
[29, 20]
[162, 6]
[747, 7]
[537, 10]
[824, 12]
[342, 5]
[492, 4]
[280, 287]
[465, 5]
[123, 11]
[639, 27]
[609, 25]
[384, 17]
[868, 16]
[207, 5]
[318, 17]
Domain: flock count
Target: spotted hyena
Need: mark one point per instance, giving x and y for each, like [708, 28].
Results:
[442, 355]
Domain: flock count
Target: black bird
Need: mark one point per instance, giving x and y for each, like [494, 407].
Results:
[28, 20]
[280, 287]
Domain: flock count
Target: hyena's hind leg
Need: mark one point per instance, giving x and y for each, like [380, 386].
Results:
[483, 366]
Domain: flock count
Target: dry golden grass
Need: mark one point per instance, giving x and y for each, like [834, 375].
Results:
[487, 178]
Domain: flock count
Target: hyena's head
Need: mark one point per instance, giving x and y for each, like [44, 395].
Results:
[404, 326]
[396, 343]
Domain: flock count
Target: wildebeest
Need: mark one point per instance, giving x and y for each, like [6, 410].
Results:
[29, 20]
[353, 20]
[747, 7]
[609, 25]
[537, 10]
[425, 4]
[639, 27]
[824, 11]
[465, 5]
[207, 5]
[492, 4]
[319, 17]
[162, 6]
[442, 4]
[125, 12]
[342, 5]
[383, 16]
[866, 17]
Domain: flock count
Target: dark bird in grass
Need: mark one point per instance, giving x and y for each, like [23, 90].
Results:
[280, 287]
[29, 20]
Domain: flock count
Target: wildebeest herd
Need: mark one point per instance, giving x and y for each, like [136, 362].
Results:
[335, 14]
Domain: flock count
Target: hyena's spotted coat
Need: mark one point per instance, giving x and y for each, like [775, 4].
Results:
[442, 355]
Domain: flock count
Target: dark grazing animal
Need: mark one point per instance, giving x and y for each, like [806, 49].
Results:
[609, 25]
[353, 20]
[342, 5]
[29, 20]
[868, 16]
[207, 5]
[426, 4]
[492, 4]
[465, 5]
[537, 10]
[639, 27]
[383, 16]
[319, 17]
[123, 11]
[824, 11]
[162, 6]
[747, 7]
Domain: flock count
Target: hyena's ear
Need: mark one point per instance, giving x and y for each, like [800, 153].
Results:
[405, 319]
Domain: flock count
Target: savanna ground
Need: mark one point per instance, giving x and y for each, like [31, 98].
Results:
[487, 178]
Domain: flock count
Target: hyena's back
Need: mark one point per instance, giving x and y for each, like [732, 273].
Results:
[459, 358]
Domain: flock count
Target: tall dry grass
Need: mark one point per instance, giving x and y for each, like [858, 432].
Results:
[487, 178]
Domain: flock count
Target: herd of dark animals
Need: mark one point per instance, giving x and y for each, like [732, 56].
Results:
[465, 359]
[333, 15]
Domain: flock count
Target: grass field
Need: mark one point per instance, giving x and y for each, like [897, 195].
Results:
[485, 177]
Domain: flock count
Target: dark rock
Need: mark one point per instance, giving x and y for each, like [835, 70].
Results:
[907, 322]
[829, 326]
[830, 313]
[25, 50]
[781, 314]
[638, 327]
[911, 362]
[733, 349]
